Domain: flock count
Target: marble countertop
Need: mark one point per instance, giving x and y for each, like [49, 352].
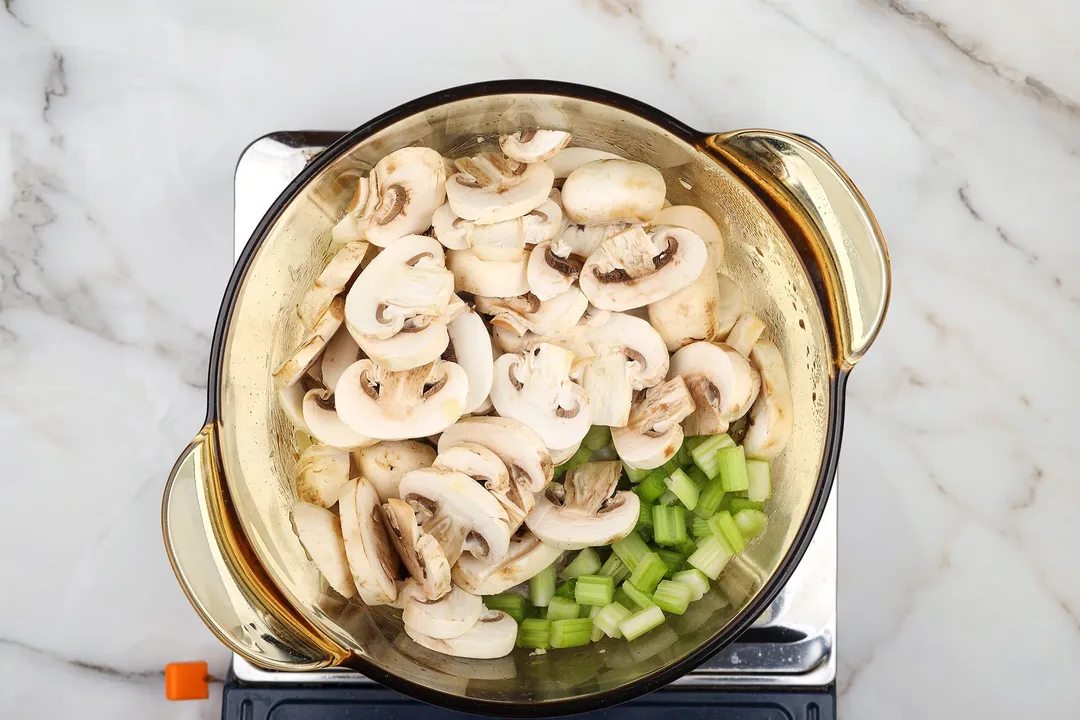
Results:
[119, 127]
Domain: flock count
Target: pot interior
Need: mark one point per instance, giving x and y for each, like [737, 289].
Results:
[259, 447]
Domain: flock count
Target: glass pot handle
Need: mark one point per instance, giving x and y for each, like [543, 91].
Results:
[223, 582]
[827, 218]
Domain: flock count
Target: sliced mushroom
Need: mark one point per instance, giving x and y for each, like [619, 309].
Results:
[291, 399]
[367, 547]
[627, 355]
[325, 424]
[484, 466]
[461, 514]
[348, 229]
[406, 188]
[526, 557]
[492, 636]
[470, 347]
[721, 381]
[583, 240]
[406, 589]
[772, 415]
[422, 554]
[385, 463]
[607, 191]
[331, 282]
[404, 289]
[527, 313]
[490, 188]
[694, 218]
[320, 474]
[450, 230]
[632, 269]
[529, 146]
[389, 405]
[408, 350]
[583, 512]
[290, 371]
[450, 616]
[561, 455]
[479, 277]
[745, 333]
[535, 388]
[319, 531]
[570, 159]
[654, 435]
[341, 352]
[516, 444]
[549, 274]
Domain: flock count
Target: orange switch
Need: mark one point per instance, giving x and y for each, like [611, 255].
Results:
[186, 681]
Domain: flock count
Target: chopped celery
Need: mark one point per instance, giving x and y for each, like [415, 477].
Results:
[705, 454]
[669, 467]
[723, 526]
[623, 599]
[737, 503]
[510, 603]
[693, 442]
[597, 438]
[630, 550]
[580, 457]
[672, 597]
[697, 476]
[652, 487]
[641, 622]
[695, 580]
[684, 456]
[566, 589]
[594, 590]
[534, 633]
[700, 528]
[684, 488]
[561, 608]
[542, 587]
[597, 634]
[687, 547]
[571, 632]
[751, 523]
[648, 573]
[637, 597]
[633, 473]
[672, 559]
[669, 525]
[710, 498]
[615, 568]
[609, 617]
[587, 562]
[732, 462]
[668, 498]
[757, 473]
[645, 523]
[711, 557]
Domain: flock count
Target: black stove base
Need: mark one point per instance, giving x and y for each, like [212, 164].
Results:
[246, 701]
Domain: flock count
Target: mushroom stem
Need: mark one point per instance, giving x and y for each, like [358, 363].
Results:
[450, 534]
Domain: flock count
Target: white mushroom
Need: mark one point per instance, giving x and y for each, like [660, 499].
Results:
[607, 191]
[696, 219]
[422, 554]
[450, 616]
[389, 405]
[529, 146]
[479, 277]
[485, 467]
[745, 333]
[627, 355]
[499, 242]
[561, 455]
[772, 415]
[654, 435]
[516, 444]
[408, 350]
[331, 282]
[721, 381]
[632, 269]
[583, 240]
[502, 241]
[347, 229]
[290, 371]
[450, 230]
[325, 424]
[527, 313]
[548, 274]
[470, 347]
[526, 557]
[492, 636]
[570, 159]
[535, 388]
[321, 472]
[367, 547]
[404, 289]
[406, 589]
[291, 399]
[385, 463]
[460, 513]
[490, 188]
[583, 512]
[320, 533]
[341, 352]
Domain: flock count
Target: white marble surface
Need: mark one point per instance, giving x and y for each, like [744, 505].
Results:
[119, 127]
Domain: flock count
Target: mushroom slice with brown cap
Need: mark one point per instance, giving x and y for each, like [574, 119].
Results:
[389, 405]
[748, 328]
[570, 159]
[583, 512]
[549, 274]
[632, 269]
[530, 146]
[721, 381]
[654, 435]
[535, 388]
[493, 278]
[450, 616]
[341, 352]
[627, 355]
[404, 289]
[422, 554]
[694, 218]
[325, 424]
[407, 350]
[320, 474]
[607, 191]
[516, 444]
[492, 636]
[348, 229]
[526, 557]
[484, 466]
[367, 547]
[407, 186]
[319, 531]
[583, 240]
[527, 313]
[291, 399]
[290, 371]
[450, 230]
[385, 463]
[490, 188]
[460, 513]
[470, 347]
[331, 282]
[772, 415]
